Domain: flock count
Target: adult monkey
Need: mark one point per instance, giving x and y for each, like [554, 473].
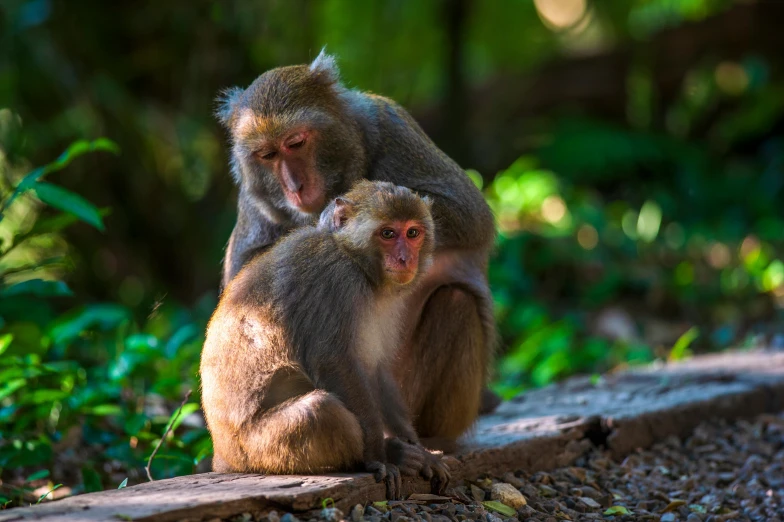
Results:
[300, 138]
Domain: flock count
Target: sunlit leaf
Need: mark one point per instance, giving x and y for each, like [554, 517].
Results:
[123, 484]
[617, 510]
[681, 350]
[47, 493]
[10, 387]
[5, 342]
[103, 410]
[70, 202]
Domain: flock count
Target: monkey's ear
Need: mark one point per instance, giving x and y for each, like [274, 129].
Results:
[227, 104]
[428, 201]
[325, 67]
[343, 208]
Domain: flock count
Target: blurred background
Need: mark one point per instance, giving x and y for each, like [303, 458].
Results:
[632, 151]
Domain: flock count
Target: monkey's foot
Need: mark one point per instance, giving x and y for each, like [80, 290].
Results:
[390, 475]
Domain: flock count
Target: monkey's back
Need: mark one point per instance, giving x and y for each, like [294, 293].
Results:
[283, 306]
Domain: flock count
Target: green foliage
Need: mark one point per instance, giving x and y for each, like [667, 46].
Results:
[694, 244]
[86, 387]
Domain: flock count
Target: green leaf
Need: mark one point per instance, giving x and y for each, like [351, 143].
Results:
[38, 288]
[186, 410]
[71, 325]
[74, 150]
[5, 342]
[10, 387]
[617, 510]
[103, 410]
[70, 202]
[47, 493]
[123, 483]
[91, 480]
[499, 507]
[38, 475]
[681, 349]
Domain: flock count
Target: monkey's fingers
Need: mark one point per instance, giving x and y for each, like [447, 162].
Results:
[394, 483]
[441, 476]
[378, 470]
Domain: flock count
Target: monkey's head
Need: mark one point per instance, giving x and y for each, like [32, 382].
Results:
[294, 143]
[389, 224]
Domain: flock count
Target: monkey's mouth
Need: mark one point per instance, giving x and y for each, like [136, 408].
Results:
[401, 277]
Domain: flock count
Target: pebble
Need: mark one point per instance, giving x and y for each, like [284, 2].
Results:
[507, 494]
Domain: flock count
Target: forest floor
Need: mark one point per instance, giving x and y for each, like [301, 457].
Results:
[724, 471]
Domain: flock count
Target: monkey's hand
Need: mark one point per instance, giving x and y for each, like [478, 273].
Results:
[436, 470]
[412, 458]
[408, 457]
[390, 475]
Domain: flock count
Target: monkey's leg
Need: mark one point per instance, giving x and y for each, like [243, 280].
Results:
[312, 433]
[444, 366]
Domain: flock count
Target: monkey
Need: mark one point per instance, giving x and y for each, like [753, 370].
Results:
[299, 137]
[295, 368]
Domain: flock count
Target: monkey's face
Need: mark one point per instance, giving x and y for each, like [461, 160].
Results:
[290, 159]
[295, 145]
[400, 243]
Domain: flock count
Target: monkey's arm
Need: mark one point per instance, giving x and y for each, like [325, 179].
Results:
[397, 419]
[252, 234]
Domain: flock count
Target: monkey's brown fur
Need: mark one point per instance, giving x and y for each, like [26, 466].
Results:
[295, 367]
[450, 327]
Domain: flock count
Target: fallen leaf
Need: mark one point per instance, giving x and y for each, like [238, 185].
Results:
[427, 497]
[617, 510]
[673, 505]
[499, 507]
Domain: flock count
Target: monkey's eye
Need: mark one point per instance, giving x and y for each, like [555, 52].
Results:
[296, 144]
[267, 155]
[388, 233]
[411, 233]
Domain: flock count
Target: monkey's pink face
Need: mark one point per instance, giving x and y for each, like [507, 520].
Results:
[292, 159]
[400, 243]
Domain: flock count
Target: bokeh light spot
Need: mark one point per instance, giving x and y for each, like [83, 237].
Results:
[560, 14]
[731, 78]
[553, 209]
[587, 237]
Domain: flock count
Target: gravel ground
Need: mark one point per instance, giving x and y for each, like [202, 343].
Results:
[724, 471]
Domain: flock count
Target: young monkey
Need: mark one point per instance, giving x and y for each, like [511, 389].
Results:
[295, 368]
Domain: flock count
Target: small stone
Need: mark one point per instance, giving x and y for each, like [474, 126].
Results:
[507, 494]
[478, 493]
[288, 517]
[547, 491]
[591, 503]
[668, 517]
[510, 478]
[693, 518]
[492, 518]
[357, 513]
[272, 516]
[332, 514]
[373, 512]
